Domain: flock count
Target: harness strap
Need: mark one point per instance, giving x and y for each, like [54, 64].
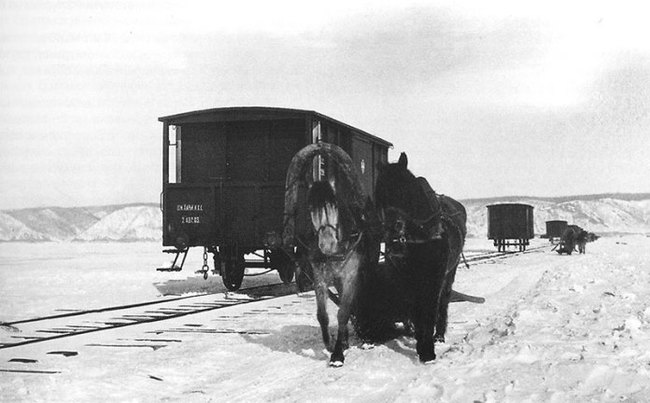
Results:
[345, 258]
[434, 206]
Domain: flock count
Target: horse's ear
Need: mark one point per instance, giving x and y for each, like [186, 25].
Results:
[403, 161]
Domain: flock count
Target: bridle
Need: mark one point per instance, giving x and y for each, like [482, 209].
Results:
[323, 227]
[349, 245]
[404, 221]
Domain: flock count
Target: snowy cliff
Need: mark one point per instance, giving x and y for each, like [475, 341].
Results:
[133, 222]
[602, 214]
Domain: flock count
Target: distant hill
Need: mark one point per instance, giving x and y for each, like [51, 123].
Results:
[602, 214]
[125, 222]
[561, 199]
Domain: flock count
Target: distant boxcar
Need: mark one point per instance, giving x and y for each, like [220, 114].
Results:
[510, 224]
[554, 229]
[224, 174]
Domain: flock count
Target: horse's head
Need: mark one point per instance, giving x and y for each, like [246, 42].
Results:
[401, 203]
[325, 217]
[391, 179]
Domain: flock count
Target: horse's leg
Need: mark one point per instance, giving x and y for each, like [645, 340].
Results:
[431, 277]
[424, 318]
[343, 315]
[320, 287]
[443, 308]
[441, 322]
[347, 290]
[424, 328]
[443, 302]
[345, 306]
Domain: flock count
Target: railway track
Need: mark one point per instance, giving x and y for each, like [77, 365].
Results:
[492, 256]
[74, 323]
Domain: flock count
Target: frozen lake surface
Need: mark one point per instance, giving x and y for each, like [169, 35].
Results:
[553, 328]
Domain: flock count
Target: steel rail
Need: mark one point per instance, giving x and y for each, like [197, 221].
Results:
[128, 319]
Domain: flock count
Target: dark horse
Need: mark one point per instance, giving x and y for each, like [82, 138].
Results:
[342, 244]
[572, 236]
[424, 235]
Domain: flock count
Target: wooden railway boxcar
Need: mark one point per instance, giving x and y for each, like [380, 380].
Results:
[224, 173]
[554, 229]
[510, 224]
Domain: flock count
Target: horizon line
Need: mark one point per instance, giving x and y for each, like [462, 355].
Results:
[626, 195]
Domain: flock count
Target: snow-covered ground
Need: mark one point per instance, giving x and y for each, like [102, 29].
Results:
[553, 328]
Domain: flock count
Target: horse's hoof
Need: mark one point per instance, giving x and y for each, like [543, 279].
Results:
[429, 362]
[427, 359]
[439, 339]
[336, 364]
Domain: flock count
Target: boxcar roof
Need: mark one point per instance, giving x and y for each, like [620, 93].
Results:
[257, 113]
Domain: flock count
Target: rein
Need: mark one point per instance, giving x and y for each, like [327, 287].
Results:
[351, 249]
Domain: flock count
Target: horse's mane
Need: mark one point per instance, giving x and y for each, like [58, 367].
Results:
[323, 199]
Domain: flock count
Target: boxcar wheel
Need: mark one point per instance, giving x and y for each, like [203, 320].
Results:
[283, 264]
[233, 270]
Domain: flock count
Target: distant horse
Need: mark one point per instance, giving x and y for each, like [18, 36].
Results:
[572, 236]
[583, 238]
[342, 243]
[581, 241]
[424, 235]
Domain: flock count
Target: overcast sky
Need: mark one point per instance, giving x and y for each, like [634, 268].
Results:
[491, 98]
